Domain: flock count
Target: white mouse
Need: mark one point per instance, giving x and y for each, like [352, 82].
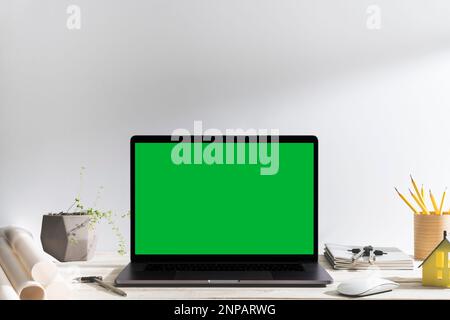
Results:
[360, 287]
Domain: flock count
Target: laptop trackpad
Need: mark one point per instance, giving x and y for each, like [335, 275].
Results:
[223, 275]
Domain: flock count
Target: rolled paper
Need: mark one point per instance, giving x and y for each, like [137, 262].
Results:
[39, 265]
[7, 292]
[25, 286]
[58, 289]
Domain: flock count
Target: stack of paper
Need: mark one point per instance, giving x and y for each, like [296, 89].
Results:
[340, 257]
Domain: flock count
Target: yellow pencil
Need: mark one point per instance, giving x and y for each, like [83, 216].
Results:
[417, 191]
[421, 205]
[407, 202]
[442, 201]
[422, 192]
[433, 201]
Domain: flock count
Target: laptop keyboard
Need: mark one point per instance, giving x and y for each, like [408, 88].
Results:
[225, 267]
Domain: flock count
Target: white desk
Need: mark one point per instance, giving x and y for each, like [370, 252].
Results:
[109, 265]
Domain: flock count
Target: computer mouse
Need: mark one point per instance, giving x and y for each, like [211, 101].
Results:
[360, 287]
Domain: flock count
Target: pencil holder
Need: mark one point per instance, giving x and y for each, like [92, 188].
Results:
[428, 231]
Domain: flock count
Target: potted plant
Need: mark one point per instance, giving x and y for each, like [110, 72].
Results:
[71, 236]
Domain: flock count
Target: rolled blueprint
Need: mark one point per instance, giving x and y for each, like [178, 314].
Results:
[58, 289]
[26, 288]
[7, 292]
[39, 265]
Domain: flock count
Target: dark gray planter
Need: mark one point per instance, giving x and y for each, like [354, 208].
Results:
[68, 237]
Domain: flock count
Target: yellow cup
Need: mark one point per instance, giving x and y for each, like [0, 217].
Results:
[428, 232]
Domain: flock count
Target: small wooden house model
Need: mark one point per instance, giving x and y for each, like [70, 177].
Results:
[436, 267]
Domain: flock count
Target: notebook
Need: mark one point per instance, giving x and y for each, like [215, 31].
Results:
[340, 257]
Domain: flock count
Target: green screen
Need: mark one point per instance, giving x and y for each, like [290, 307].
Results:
[223, 208]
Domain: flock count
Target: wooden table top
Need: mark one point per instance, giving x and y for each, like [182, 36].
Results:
[109, 265]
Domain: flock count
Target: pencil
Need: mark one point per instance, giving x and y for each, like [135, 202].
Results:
[421, 205]
[422, 192]
[417, 191]
[442, 201]
[433, 201]
[407, 202]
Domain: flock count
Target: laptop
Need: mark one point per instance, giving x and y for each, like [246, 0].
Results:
[224, 211]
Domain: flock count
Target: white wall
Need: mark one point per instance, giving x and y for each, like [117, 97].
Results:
[379, 100]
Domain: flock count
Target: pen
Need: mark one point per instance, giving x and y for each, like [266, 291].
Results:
[100, 282]
[109, 287]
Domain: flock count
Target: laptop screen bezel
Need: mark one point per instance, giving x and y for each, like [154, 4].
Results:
[221, 257]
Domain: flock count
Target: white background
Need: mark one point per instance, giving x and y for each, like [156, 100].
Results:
[378, 100]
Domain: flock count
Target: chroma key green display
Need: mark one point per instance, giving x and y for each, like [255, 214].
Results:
[228, 208]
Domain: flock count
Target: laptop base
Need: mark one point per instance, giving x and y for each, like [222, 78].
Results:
[137, 275]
